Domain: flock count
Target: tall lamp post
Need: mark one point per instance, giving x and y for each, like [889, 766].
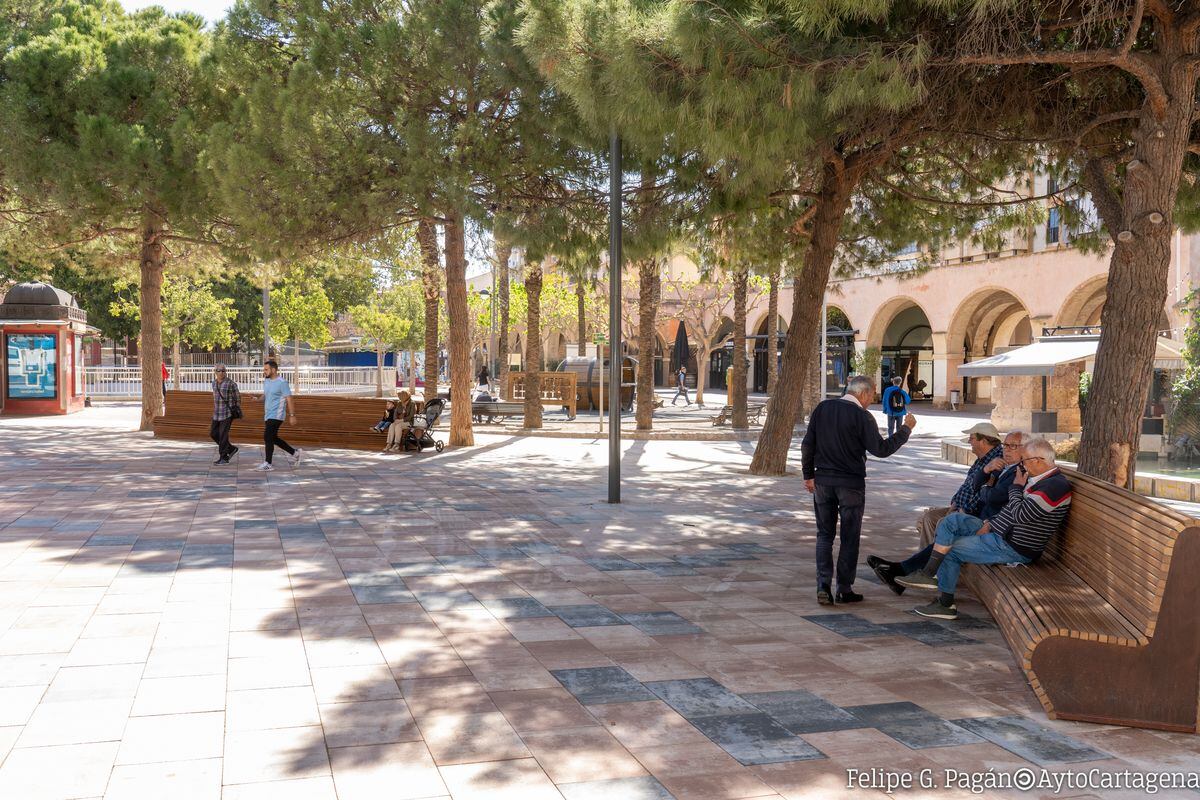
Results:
[614, 318]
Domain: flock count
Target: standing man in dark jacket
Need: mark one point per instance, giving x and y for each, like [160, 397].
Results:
[840, 434]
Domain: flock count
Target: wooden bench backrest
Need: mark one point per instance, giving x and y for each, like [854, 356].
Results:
[314, 411]
[1120, 544]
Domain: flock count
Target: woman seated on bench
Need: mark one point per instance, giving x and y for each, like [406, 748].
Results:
[402, 419]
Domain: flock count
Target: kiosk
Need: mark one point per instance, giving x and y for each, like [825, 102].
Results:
[43, 330]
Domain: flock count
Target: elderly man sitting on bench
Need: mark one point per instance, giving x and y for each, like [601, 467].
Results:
[1038, 502]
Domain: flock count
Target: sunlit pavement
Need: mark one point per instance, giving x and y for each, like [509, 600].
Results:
[481, 624]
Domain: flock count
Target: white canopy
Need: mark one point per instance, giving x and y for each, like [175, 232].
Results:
[1041, 357]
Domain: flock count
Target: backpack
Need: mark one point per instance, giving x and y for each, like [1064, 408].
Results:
[896, 399]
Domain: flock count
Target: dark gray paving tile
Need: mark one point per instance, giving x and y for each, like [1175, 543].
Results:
[587, 616]
[700, 697]
[202, 561]
[755, 739]
[373, 578]
[912, 725]
[111, 540]
[966, 622]
[597, 685]
[668, 569]
[530, 548]
[443, 601]
[1025, 738]
[501, 553]
[848, 625]
[930, 633]
[144, 543]
[369, 595]
[644, 788]
[77, 527]
[244, 524]
[407, 569]
[517, 608]
[660, 623]
[611, 563]
[706, 560]
[749, 547]
[208, 549]
[463, 562]
[803, 712]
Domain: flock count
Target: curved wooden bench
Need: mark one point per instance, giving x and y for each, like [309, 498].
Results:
[323, 421]
[1106, 625]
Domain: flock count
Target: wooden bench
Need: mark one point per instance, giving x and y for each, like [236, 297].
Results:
[1106, 625]
[322, 421]
[754, 412]
[491, 410]
[558, 390]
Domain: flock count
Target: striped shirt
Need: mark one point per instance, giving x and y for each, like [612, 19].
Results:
[1034, 513]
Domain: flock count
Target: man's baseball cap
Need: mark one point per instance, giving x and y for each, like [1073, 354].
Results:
[984, 429]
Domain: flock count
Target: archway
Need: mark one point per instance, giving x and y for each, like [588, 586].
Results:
[1084, 304]
[902, 332]
[760, 351]
[988, 321]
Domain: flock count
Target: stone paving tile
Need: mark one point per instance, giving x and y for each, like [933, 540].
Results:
[66, 771]
[800, 711]
[402, 771]
[179, 780]
[644, 788]
[598, 685]
[929, 632]
[912, 725]
[660, 623]
[849, 625]
[754, 738]
[517, 608]
[587, 616]
[699, 697]
[1031, 741]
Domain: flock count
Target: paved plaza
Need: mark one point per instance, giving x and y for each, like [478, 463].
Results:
[481, 624]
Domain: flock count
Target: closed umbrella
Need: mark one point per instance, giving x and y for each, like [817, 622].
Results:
[679, 354]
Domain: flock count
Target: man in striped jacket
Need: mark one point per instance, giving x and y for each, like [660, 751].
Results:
[1038, 502]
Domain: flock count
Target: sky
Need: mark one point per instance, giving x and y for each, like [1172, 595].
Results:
[211, 10]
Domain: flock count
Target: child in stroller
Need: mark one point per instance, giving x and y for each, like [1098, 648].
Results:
[419, 435]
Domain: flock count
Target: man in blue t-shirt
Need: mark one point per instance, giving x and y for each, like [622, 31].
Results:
[277, 406]
[895, 404]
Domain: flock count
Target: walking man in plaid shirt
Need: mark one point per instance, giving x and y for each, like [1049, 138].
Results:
[227, 406]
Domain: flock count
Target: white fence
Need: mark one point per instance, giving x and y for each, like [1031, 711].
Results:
[127, 381]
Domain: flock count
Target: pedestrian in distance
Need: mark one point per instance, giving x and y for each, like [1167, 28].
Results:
[895, 404]
[681, 389]
[227, 406]
[840, 433]
[277, 407]
[485, 379]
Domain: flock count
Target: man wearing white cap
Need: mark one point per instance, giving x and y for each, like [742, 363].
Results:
[984, 440]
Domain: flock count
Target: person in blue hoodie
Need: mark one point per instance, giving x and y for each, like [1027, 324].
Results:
[895, 404]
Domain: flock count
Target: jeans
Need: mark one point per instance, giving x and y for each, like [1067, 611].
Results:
[681, 391]
[220, 434]
[961, 532]
[894, 423]
[271, 439]
[833, 504]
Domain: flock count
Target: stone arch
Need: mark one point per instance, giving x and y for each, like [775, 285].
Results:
[885, 314]
[903, 331]
[1084, 303]
[984, 320]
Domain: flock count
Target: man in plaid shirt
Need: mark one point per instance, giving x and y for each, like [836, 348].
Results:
[226, 398]
[985, 444]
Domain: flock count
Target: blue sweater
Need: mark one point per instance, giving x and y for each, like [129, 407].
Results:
[887, 406]
[840, 434]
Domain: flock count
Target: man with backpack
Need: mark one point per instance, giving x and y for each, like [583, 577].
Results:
[895, 405]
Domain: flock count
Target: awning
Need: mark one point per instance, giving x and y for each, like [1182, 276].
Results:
[1041, 357]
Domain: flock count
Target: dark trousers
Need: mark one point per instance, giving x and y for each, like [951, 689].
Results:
[894, 423]
[220, 434]
[833, 504]
[271, 440]
[916, 561]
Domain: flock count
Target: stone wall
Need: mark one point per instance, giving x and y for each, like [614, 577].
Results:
[1017, 396]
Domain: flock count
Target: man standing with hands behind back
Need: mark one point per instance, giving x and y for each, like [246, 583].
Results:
[840, 433]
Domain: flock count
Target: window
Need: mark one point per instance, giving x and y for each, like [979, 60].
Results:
[908, 249]
[1053, 227]
[32, 365]
[1051, 185]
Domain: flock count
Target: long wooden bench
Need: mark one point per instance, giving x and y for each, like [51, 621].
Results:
[754, 412]
[1106, 625]
[321, 421]
[492, 410]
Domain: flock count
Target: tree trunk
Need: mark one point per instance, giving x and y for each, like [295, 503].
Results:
[175, 359]
[296, 377]
[533, 344]
[1141, 220]
[649, 290]
[580, 306]
[772, 331]
[459, 319]
[703, 362]
[770, 455]
[412, 371]
[503, 254]
[150, 260]
[737, 392]
[378, 369]
[432, 283]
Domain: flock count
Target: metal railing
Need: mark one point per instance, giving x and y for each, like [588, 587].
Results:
[127, 381]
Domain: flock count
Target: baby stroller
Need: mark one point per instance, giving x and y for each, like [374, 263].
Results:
[419, 435]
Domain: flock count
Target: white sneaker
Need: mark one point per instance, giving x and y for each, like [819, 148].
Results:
[296, 457]
[264, 467]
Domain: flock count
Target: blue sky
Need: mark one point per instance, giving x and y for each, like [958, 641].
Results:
[211, 10]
